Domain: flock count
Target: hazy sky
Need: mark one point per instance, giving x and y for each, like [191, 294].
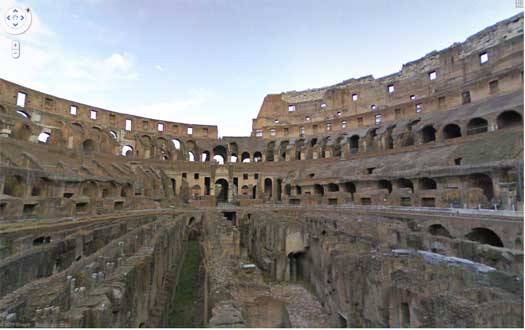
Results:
[213, 61]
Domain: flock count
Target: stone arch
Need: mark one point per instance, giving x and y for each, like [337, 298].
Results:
[477, 125]
[427, 184]
[88, 146]
[484, 236]
[245, 190]
[354, 144]
[483, 182]
[257, 157]
[127, 151]
[195, 191]
[385, 184]
[245, 157]
[177, 144]
[191, 156]
[220, 154]
[318, 190]
[451, 131]
[332, 187]
[287, 190]
[438, 230]
[278, 188]
[405, 183]
[221, 190]
[349, 187]
[268, 187]
[270, 151]
[126, 190]
[282, 149]
[40, 187]
[428, 134]
[24, 114]
[14, 186]
[77, 128]
[509, 118]
[113, 134]
[205, 156]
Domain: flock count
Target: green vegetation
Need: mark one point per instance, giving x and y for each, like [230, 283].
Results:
[187, 310]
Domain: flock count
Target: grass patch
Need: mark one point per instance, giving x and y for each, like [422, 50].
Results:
[187, 311]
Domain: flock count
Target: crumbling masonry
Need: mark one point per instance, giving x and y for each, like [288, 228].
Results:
[389, 202]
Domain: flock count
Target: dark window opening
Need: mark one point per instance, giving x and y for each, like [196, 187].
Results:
[465, 97]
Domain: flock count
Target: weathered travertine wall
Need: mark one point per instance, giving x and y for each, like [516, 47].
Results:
[122, 284]
[365, 202]
[382, 277]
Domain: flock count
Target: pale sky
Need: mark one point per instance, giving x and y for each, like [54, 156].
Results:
[213, 61]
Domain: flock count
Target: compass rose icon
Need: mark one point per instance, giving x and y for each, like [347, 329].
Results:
[17, 20]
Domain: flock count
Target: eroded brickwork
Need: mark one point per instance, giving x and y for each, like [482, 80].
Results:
[389, 202]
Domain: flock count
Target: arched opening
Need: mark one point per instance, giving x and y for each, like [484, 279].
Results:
[127, 190]
[287, 190]
[245, 190]
[221, 191]
[318, 190]
[483, 182]
[88, 146]
[219, 154]
[205, 156]
[176, 143]
[438, 230]
[195, 191]
[349, 187]
[385, 184]
[268, 188]
[127, 151]
[297, 266]
[245, 157]
[233, 158]
[509, 118]
[113, 134]
[282, 150]
[451, 131]
[427, 184]
[44, 137]
[313, 142]
[40, 187]
[254, 191]
[219, 159]
[405, 183]
[354, 144]
[191, 156]
[269, 151]
[428, 134]
[332, 187]
[477, 125]
[279, 189]
[257, 157]
[23, 114]
[484, 236]
[13, 186]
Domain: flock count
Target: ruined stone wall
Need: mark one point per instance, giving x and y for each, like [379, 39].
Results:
[374, 273]
[121, 284]
[488, 63]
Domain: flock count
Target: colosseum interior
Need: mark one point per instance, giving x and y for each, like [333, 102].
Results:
[376, 202]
